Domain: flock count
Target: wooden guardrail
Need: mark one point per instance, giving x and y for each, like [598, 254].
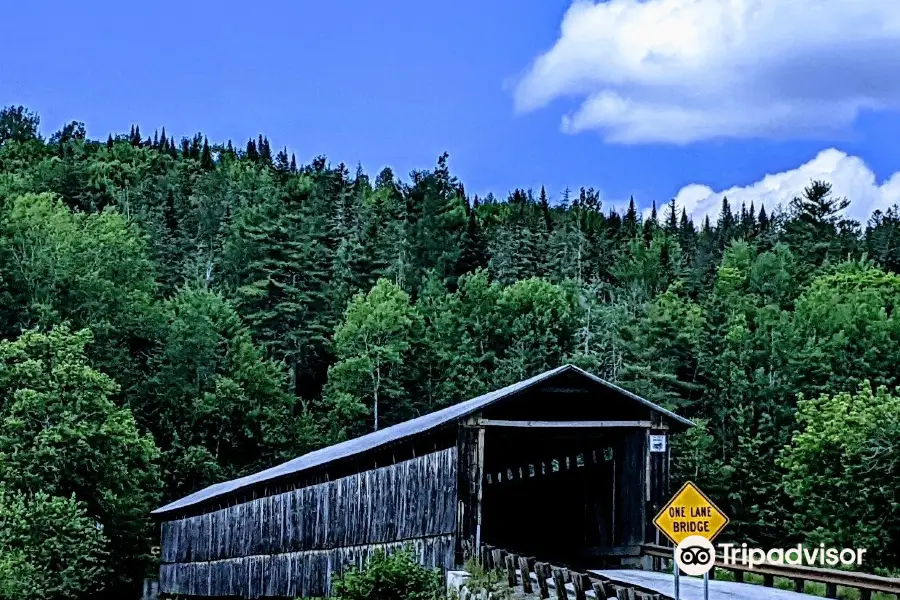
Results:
[832, 578]
[565, 582]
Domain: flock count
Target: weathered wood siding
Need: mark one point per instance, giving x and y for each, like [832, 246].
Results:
[291, 575]
[287, 544]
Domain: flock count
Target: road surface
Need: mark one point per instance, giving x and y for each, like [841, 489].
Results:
[692, 587]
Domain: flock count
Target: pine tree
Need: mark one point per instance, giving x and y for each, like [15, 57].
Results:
[474, 249]
[650, 225]
[282, 280]
[630, 222]
[252, 154]
[752, 227]
[725, 228]
[206, 161]
[545, 211]
[135, 137]
[281, 162]
[265, 152]
[687, 239]
[672, 218]
[816, 230]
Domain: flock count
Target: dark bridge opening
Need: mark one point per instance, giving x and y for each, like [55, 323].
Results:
[568, 472]
[568, 494]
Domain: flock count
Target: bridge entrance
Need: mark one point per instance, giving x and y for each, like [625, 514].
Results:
[575, 495]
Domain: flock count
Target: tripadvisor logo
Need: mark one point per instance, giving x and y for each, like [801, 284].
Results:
[798, 555]
[696, 555]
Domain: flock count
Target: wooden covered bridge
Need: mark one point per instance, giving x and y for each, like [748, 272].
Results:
[558, 466]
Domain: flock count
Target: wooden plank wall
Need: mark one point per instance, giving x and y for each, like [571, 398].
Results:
[470, 450]
[631, 482]
[290, 575]
[287, 544]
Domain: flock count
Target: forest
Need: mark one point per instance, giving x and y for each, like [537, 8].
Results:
[178, 312]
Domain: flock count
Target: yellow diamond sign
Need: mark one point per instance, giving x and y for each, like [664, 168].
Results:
[690, 512]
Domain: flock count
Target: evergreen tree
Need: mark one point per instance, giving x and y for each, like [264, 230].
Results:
[672, 219]
[630, 222]
[206, 161]
[651, 224]
[252, 154]
[545, 211]
[816, 229]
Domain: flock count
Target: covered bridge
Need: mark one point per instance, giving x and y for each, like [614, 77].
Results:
[558, 466]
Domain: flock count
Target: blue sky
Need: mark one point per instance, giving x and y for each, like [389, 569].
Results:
[641, 98]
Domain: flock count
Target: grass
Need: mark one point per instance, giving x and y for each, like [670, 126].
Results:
[813, 588]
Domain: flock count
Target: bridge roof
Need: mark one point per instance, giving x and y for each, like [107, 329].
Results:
[400, 431]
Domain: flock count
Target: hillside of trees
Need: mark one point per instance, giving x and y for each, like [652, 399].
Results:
[177, 312]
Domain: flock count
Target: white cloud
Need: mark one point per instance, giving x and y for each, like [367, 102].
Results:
[849, 176]
[680, 71]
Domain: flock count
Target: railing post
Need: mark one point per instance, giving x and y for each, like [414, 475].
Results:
[600, 590]
[540, 570]
[559, 580]
[625, 593]
[580, 582]
[496, 558]
[525, 568]
[511, 561]
[831, 590]
[488, 557]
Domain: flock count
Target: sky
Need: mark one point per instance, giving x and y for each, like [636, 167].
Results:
[656, 99]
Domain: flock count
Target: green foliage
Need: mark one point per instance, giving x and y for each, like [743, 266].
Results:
[218, 408]
[492, 581]
[62, 435]
[247, 309]
[846, 329]
[18, 124]
[88, 269]
[390, 576]
[842, 468]
[373, 347]
[50, 549]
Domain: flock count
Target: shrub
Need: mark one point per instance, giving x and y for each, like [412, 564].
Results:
[493, 582]
[395, 576]
[49, 548]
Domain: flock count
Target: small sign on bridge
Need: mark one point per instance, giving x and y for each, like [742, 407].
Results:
[690, 512]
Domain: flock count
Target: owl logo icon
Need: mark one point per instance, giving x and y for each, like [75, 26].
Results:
[695, 555]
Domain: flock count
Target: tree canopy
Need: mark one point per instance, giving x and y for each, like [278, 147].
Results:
[177, 311]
